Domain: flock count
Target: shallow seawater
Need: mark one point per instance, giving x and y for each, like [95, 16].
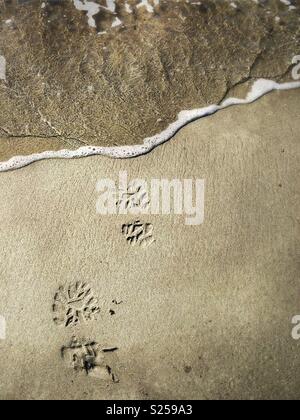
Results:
[114, 73]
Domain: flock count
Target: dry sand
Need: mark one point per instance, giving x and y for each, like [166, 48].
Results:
[204, 312]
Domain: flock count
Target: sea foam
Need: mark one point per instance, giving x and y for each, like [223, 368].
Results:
[260, 88]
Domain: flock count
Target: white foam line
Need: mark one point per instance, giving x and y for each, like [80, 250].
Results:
[2, 68]
[260, 88]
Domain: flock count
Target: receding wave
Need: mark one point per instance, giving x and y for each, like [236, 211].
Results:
[260, 88]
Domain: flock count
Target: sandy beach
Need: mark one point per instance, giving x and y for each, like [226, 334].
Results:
[96, 75]
[200, 312]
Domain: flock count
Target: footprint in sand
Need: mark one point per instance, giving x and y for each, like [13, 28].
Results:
[74, 304]
[135, 197]
[88, 357]
[138, 233]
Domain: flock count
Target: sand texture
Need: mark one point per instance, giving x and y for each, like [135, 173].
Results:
[70, 84]
[203, 312]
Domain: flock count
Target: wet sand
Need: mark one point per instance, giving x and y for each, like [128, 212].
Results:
[72, 85]
[204, 312]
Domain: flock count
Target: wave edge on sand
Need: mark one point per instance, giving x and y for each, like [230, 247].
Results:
[259, 88]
